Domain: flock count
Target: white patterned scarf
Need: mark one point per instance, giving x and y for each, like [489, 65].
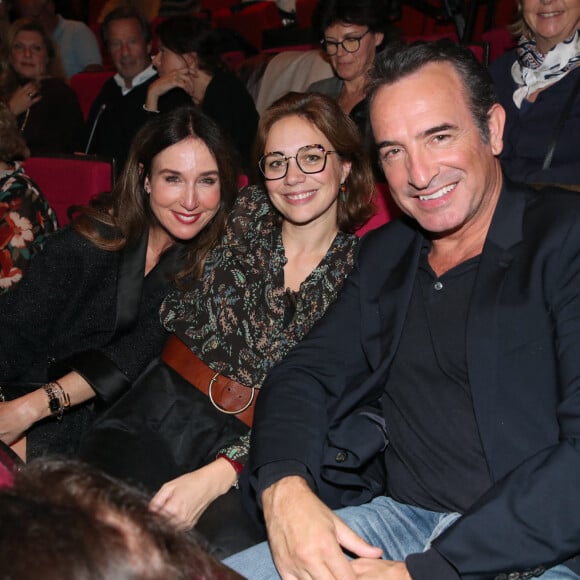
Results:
[533, 70]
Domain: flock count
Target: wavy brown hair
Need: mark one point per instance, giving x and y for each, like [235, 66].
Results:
[127, 208]
[519, 26]
[324, 113]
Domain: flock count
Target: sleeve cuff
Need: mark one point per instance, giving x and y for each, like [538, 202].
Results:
[273, 472]
[106, 379]
[430, 565]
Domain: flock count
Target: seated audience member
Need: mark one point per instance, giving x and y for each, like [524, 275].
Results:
[350, 33]
[287, 251]
[76, 42]
[25, 216]
[538, 84]
[63, 520]
[84, 321]
[117, 113]
[190, 69]
[47, 109]
[463, 319]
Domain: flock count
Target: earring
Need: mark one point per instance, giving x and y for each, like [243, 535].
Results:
[342, 192]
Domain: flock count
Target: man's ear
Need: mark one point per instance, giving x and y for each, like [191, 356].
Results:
[496, 124]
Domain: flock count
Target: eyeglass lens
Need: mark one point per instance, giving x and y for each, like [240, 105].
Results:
[348, 44]
[310, 159]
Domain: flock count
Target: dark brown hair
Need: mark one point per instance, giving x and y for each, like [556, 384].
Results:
[186, 34]
[126, 13]
[373, 14]
[324, 113]
[127, 207]
[67, 520]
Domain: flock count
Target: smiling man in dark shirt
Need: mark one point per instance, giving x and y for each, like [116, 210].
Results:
[463, 320]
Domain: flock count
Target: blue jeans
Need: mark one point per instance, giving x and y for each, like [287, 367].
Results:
[397, 528]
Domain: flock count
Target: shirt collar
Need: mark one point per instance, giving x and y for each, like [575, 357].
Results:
[139, 79]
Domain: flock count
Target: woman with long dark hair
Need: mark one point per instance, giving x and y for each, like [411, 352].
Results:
[183, 429]
[84, 320]
[190, 69]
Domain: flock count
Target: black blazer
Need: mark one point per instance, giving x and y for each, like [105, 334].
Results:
[523, 355]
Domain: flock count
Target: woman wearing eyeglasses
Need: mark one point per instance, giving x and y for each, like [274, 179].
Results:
[184, 427]
[350, 34]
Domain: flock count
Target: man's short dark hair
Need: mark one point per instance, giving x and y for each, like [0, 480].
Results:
[399, 60]
[126, 13]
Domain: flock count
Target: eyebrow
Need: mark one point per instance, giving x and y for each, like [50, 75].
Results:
[177, 172]
[427, 133]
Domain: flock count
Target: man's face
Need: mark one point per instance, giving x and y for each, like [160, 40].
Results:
[439, 170]
[128, 49]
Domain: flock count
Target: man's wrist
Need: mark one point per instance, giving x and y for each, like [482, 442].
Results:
[282, 489]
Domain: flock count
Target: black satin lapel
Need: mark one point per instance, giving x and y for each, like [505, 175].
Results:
[130, 284]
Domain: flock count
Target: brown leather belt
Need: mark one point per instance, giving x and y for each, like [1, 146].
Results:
[225, 394]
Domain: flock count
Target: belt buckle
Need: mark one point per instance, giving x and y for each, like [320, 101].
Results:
[219, 407]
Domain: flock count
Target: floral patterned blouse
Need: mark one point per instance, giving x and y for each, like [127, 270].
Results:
[25, 221]
[240, 319]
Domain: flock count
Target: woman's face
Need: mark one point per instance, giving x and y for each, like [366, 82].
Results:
[551, 21]
[184, 188]
[303, 198]
[166, 61]
[352, 65]
[29, 57]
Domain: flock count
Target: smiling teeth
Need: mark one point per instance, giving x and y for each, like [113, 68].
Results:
[440, 193]
[187, 218]
[299, 196]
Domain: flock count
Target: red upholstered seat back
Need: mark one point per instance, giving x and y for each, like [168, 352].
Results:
[87, 86]
[70, 180]
[387, 210]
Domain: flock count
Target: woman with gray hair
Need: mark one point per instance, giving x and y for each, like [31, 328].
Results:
[538, 83]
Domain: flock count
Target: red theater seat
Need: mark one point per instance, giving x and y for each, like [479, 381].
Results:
[87, 86]
[70, 180]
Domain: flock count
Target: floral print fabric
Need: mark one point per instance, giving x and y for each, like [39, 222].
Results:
[236, 319]
[239, 319]
[25, 221]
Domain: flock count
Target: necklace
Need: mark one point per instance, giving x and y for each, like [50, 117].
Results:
[25, 120]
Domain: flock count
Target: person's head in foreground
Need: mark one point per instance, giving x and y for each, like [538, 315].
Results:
[66, 520]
